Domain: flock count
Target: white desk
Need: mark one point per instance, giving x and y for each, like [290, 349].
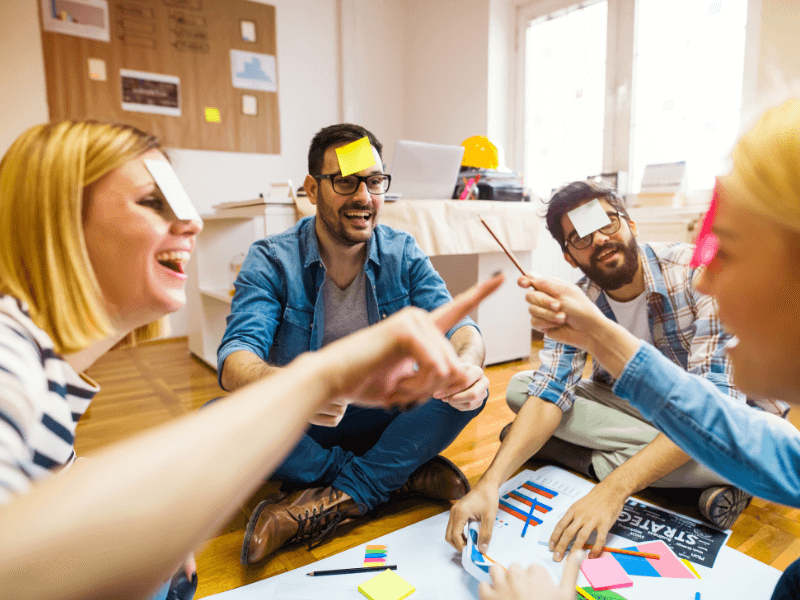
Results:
[427, 561]
[463, 252]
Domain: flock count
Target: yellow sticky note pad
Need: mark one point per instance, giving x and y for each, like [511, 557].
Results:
[212, 115]
[355, 157]
[386, 586]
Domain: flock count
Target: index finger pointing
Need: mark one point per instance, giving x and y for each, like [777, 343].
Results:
[448, 315]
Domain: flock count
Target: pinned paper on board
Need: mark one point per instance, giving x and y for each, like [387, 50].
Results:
[375, 556]
[605, 573]
[386, 586]
[355, 157]
[212, 115]
[589, 217]
[174, 193]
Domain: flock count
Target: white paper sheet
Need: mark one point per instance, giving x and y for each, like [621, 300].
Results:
[429, 563]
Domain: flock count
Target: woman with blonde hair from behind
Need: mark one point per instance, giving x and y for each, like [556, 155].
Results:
[752, 267]
[91, 252]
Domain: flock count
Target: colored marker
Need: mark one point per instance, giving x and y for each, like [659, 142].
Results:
[583, 593]
[629, 552]
[528, 520]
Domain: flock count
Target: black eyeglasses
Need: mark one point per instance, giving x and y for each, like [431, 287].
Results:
[377, 183]
[581, 243]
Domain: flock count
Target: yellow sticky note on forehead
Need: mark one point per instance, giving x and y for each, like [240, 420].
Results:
[386, 586]
[355, 157]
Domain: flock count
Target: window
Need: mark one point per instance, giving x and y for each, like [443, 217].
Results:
[667, 87]
[689, 61]
[565, 72]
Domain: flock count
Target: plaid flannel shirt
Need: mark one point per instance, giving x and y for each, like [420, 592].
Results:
[684, 325]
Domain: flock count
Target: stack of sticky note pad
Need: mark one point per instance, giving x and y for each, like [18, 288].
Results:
[386, 586]
[375, 556]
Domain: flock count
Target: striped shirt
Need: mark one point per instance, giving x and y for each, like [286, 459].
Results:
[41, 400]
[683, 322]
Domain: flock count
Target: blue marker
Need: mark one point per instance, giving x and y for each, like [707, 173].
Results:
[528, 520]
[697, 596]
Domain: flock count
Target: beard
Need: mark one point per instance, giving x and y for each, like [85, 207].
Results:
[619, 276]
[336, 223]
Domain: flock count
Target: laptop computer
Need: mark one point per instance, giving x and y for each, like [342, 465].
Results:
[424, 171]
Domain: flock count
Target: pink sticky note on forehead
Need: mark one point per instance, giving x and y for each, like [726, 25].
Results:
[706, 244]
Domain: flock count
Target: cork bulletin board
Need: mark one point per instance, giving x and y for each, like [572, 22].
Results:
[199, 74]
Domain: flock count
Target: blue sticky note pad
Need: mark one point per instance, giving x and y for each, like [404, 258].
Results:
[636, 565]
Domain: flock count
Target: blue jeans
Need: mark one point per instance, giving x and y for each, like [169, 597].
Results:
[788, 587]
[372, 452]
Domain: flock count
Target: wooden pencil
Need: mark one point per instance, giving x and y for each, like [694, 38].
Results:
[508, 253]
[583, 593]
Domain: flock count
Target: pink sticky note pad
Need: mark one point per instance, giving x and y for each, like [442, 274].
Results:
[605, 573]
[669, 565]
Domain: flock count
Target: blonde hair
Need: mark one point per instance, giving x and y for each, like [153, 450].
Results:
[765, 177]
[43, 256]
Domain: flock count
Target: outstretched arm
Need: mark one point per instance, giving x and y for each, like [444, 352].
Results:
[121, 523]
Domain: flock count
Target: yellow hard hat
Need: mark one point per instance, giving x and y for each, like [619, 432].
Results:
[479, 153]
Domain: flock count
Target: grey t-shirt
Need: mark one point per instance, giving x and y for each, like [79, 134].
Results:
[345, 310]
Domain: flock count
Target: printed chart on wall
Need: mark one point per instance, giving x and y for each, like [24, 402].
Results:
[681, 550]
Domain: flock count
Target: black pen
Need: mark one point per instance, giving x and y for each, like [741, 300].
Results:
[354, 570]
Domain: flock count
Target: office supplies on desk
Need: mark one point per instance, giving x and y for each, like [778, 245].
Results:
[353, 570]
[468, 187]
[425, 171]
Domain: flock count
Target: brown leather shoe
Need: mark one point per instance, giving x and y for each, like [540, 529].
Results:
[309, 515]
[439, 479]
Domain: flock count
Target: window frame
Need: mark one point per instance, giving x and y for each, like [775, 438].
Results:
[621, 44]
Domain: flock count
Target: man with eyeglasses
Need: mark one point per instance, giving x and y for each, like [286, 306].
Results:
[580, 423]
[328, 276]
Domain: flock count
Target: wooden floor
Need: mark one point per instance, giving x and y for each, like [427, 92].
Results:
[145, 386]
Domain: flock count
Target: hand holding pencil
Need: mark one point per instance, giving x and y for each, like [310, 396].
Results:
[557, 308]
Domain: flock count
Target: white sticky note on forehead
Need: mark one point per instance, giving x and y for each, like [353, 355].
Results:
[588, 217]
[169, 184]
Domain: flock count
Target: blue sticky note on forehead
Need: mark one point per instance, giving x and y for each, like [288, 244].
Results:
[588, 217]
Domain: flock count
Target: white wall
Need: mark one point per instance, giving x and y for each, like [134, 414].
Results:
[779, 54]
[23, 102]
[445, 70]
[373, 47]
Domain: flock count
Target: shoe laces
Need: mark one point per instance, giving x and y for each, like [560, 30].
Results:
[316, 526]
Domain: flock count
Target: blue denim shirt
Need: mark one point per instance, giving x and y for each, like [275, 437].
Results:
[275, 313]
[755, 450]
